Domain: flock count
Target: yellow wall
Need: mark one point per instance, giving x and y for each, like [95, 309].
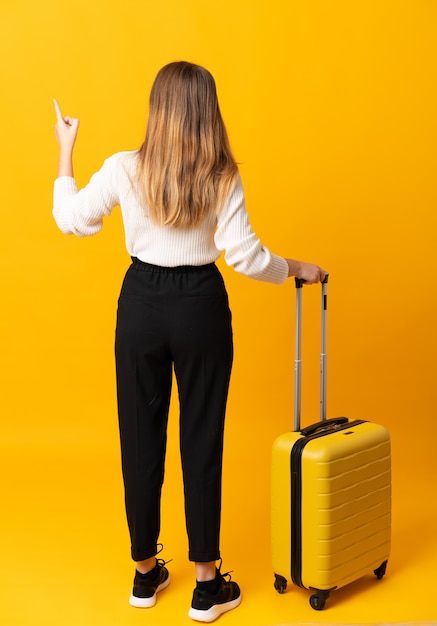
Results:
[331, 110]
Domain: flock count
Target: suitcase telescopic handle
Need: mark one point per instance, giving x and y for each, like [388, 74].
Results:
[298, 360]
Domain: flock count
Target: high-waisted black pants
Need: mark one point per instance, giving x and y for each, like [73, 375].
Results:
[173, 318]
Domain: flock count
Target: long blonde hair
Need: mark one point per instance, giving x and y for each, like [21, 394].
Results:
[185, 165]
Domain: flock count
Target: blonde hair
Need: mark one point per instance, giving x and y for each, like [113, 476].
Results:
[185, 165]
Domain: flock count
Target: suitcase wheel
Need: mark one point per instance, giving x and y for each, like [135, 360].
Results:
[318, 600]
[380, 572]
[280, 583]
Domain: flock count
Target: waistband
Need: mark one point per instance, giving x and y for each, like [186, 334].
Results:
[179, 269]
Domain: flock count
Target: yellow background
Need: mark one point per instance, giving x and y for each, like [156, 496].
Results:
[331, 111]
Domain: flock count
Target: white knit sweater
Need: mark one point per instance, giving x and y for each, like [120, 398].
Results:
[82, 212]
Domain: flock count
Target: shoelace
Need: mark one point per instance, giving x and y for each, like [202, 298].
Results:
[161, 562]
[225, 573]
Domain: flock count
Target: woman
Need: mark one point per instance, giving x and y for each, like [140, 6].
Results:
[182, 203]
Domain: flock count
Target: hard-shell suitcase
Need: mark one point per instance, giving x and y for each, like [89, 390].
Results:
[331, 493]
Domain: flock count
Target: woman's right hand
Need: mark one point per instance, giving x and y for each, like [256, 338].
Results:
[309, 272]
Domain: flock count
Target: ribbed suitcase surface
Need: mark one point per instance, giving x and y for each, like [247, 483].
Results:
[331, 505]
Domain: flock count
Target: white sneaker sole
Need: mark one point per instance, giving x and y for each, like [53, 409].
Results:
[147, 603]
[214, 612]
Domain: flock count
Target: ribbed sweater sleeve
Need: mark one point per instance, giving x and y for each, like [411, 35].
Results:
[243, 249]
[81, 212]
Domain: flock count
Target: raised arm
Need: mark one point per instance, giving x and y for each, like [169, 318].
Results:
[66, 132]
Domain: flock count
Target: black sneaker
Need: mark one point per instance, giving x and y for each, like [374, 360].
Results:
[213, 598]
[146, 586]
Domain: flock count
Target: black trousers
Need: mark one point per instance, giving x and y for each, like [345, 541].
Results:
[173, 318]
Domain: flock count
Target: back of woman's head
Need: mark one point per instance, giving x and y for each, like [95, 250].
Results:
[186, 167]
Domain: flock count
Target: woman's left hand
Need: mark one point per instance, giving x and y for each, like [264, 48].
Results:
[66, 129]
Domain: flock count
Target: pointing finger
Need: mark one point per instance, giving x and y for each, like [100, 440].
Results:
[58, 111]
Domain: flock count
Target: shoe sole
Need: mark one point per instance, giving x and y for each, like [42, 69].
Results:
[214, 612]
[147, 603]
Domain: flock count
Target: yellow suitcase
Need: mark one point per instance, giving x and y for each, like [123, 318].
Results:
[331, 494]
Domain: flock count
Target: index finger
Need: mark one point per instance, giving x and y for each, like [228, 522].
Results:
[58, 111]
